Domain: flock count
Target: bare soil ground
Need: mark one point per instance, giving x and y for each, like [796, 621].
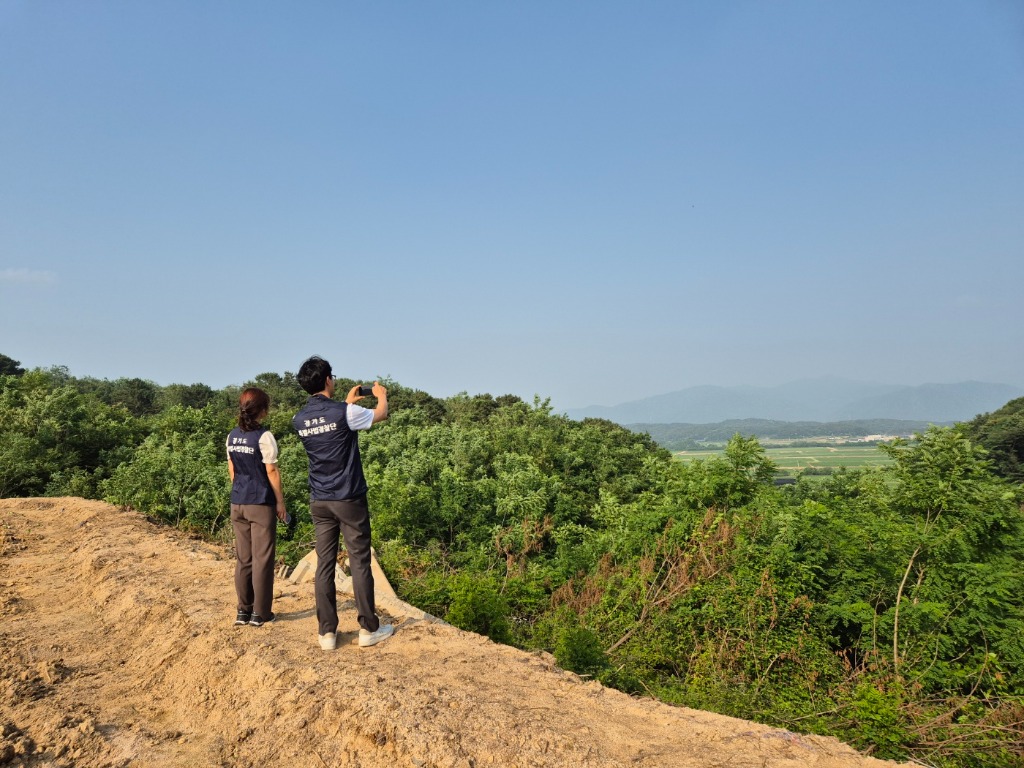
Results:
[117, 648]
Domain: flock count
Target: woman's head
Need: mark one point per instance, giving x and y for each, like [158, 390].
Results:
[253, 405]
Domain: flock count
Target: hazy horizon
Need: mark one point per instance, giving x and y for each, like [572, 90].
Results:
[783, 384]
[558, 407]
[593, 203]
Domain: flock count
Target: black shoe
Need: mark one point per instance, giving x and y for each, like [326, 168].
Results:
[258, 621]
[243, 617]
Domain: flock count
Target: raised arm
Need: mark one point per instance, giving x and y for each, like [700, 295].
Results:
[380, 392]
[381, 411]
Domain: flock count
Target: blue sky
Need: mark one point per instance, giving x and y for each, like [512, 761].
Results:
[589, 201]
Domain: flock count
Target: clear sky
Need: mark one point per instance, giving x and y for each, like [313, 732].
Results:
[590, 201]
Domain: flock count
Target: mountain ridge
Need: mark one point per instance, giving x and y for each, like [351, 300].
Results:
[824, 399]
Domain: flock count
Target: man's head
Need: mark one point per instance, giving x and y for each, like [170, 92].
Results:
[313, 375]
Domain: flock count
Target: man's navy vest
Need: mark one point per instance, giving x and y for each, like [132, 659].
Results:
[335, 470]
[251, 484]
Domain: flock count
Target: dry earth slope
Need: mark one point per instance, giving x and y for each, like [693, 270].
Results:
[117, 648]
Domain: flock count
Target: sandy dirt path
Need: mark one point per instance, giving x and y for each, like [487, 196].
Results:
[117, 648]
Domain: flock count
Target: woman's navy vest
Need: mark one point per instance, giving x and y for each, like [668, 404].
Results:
[251, 484]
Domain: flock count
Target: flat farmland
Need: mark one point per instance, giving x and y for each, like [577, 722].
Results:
[793, 460]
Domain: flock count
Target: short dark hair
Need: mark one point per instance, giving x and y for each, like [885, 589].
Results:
[313, 374]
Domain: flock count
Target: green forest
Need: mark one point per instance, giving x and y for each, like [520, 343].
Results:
[884, 606]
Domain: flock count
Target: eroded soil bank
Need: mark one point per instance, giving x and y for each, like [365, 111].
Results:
[117, 648]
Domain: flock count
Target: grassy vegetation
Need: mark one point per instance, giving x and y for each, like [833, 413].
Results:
[824, 460]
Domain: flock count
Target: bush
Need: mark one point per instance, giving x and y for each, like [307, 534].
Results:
[579, 650]
[178, 474]
[878, 723]
[477, 606]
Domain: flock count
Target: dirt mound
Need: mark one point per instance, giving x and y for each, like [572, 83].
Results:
[117, 648]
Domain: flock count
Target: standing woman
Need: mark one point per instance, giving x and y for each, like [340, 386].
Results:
[255, 497]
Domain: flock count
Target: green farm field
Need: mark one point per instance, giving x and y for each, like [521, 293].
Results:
[793, 460]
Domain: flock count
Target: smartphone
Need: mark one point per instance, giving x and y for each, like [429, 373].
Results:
[365, 391]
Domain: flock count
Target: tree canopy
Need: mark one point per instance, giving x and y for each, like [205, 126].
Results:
[1002, 434]
[10, 366]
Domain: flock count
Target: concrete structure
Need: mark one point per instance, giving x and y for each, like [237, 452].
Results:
[383, 593]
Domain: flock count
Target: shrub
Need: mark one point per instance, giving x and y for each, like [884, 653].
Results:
[579, 650]
[476, 605]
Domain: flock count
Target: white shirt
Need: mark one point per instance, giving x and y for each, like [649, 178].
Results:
[358, 418]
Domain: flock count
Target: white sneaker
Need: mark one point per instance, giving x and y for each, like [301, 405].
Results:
[384, 631]
[329, 641]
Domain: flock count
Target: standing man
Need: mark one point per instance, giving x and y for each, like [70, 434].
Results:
[337, 496]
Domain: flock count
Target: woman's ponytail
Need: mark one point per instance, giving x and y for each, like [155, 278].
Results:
[252, 404]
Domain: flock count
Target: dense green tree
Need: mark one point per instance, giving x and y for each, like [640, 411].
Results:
[1002, 434]
[285, 393]
[10, 367]
[138, 396]
[730, 480]
[54, 439]
[917, 573]
[178, 474]
[189, 395]
[425, 408]
[476, 409]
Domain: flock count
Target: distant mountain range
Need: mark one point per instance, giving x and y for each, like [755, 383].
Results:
[822, 399]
